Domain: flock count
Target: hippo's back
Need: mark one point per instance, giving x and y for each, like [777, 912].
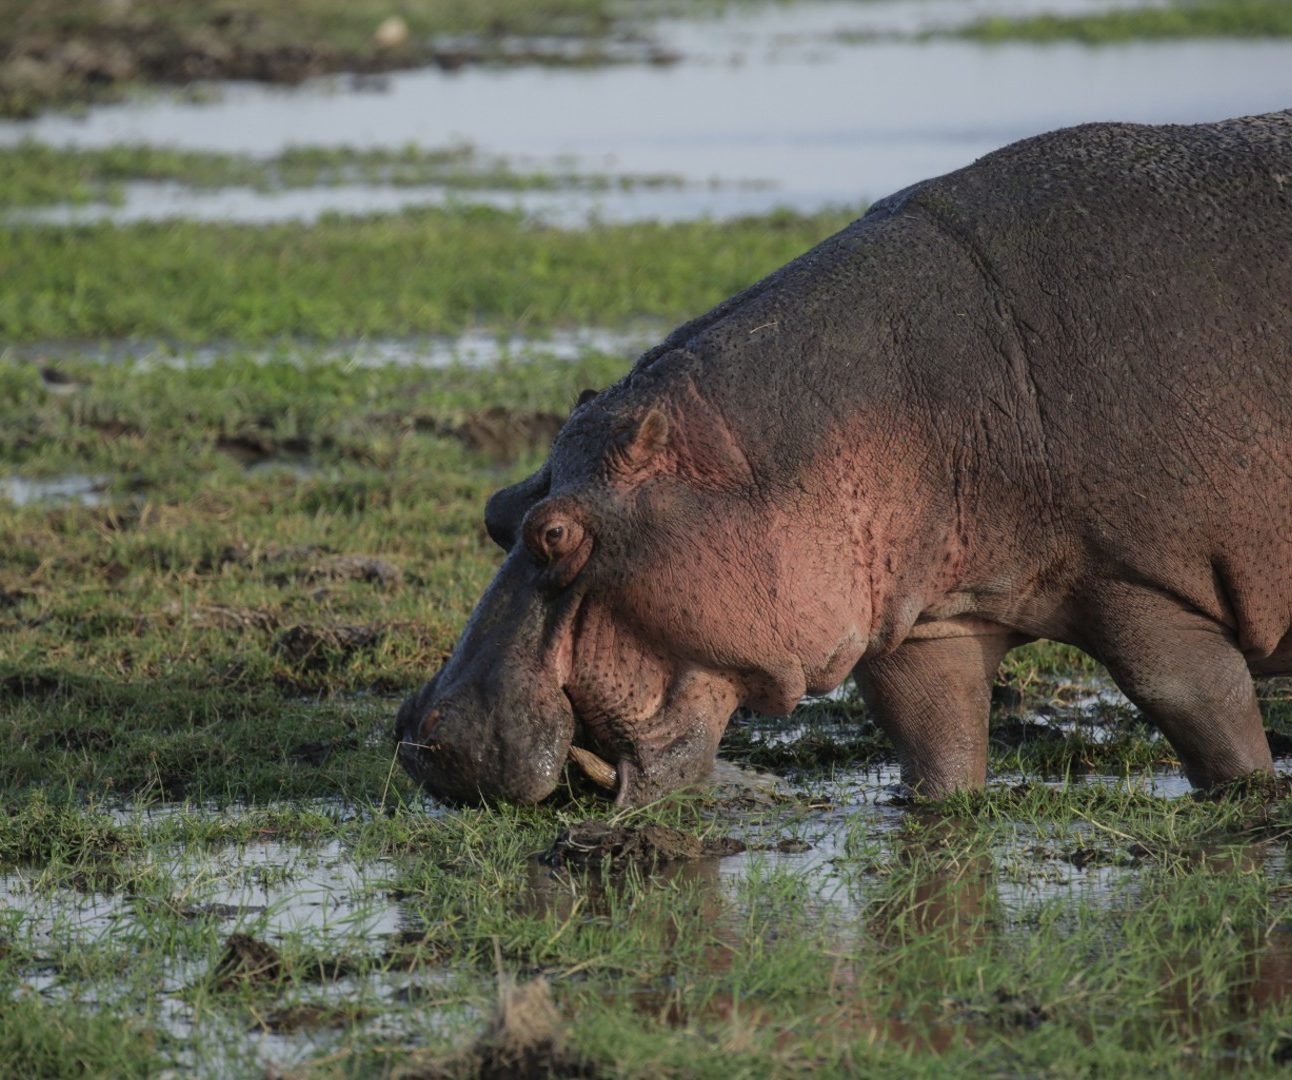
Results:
[1104, 236]
[1140, 280]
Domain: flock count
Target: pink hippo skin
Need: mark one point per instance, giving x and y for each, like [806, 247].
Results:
[1046, 396]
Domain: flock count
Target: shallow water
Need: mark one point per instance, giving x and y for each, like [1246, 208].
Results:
[473, 349]
[268, 889]
[563, 209]
[71, 487]
[768, 96]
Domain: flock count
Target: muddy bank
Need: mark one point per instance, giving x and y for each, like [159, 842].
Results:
[70, 51]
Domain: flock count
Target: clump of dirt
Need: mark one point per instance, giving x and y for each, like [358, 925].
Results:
[313, 564]
[505, 434]
[246, 961]
[22, 684]
[253, 446]
[325, 648]
[524, 1041]
[366, 568]
[595, 844]
[220, 616]
[244, 554]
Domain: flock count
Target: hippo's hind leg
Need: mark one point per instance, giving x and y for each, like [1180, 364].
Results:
[932, 697]
[1186, 673]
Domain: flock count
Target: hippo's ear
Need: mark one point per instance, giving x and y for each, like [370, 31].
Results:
[640, 442]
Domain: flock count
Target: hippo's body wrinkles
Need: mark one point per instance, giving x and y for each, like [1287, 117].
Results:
[1046, 396]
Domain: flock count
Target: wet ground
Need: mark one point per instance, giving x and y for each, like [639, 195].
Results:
[333, 945]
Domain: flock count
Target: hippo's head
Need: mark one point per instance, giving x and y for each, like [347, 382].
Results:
[648, 590]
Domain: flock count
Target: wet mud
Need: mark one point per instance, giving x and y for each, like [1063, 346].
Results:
[247, 962]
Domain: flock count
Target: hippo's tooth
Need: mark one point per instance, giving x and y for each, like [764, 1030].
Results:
[600, 772]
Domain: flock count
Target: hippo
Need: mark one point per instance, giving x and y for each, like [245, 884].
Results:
[1046, 396]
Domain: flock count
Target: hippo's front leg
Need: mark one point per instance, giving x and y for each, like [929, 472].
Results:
[932, 696]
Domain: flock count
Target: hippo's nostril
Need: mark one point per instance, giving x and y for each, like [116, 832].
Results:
[418, 734]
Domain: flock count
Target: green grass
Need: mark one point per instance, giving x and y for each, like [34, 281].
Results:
[1179, 19]
[38, 1039]
[33, 174]
[166, 627]
[426, 271]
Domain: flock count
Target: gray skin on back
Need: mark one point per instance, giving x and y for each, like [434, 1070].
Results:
[1046, 396]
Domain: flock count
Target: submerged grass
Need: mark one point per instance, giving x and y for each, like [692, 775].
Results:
[420, 271]
[33, 174]
[1085, 931]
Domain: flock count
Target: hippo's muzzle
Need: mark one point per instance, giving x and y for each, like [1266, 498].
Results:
[454, 773]
[452, 748]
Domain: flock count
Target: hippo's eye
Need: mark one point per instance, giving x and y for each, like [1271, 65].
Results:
[551, 536]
